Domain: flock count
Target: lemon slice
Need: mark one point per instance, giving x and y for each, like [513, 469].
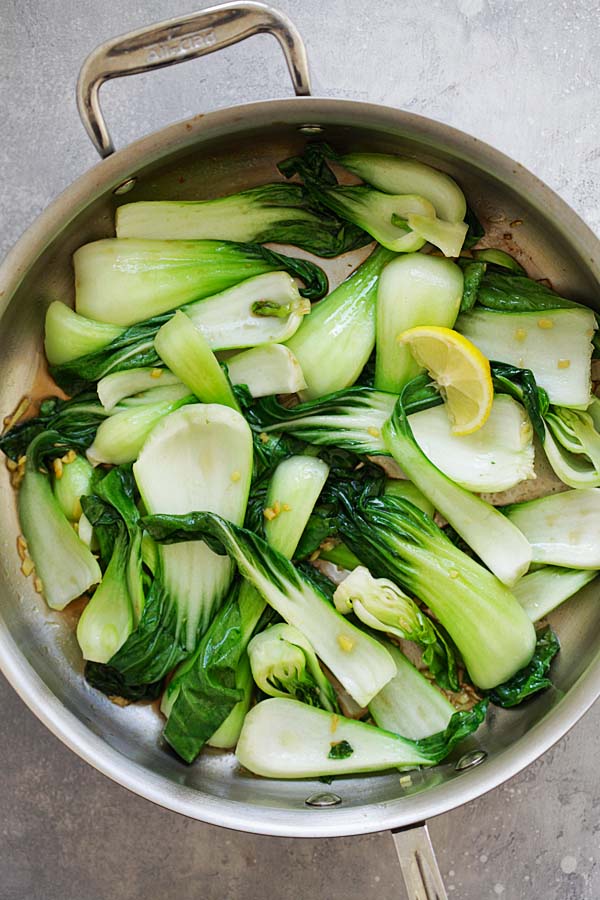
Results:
[460, 370]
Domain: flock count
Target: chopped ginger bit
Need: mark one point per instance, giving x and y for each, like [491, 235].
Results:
[545, 323]
[374, 432]
[58, 468]
[327, 544]
[37, 585]
[564, 363]
[335, 721]
[277, 507]
[286, 507]
[406, 781]
[21, 461]
[235, 476]
[69, 457]
[264, 437]
[27, 567]
[156, 373]
[269, 514]
[314, 555]
[520, 334]
[11, 464]
[345, 642]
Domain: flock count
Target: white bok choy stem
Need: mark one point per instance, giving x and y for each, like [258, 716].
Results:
[65, 566]
[185, 350]
[496, 457]
[410, 704]
[267, 369]
[413, 289]
[198, 457]
[494, 538]
[336, 340]
[121, 436]
[115, 387]
[556, 344]
[400, 175]
[287, 739]
[293, 490]
[127, 280]
[562, 528]
[542, 591]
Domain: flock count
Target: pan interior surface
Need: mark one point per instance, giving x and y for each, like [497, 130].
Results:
[221, 154]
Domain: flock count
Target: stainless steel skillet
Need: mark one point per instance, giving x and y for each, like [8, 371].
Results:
[219, 153]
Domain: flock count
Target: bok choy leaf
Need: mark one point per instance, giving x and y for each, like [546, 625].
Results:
[125, 281]
[287, 739]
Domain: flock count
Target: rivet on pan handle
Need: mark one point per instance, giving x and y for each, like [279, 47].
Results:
[419, 866]
[177, 40]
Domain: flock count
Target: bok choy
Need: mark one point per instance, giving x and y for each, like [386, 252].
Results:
[124, 281]
[336, 340]
[284, 664]
[279, 213]
[262, 310]
[542, 591]
[496, 540]
[358, 661]
[397, 541]
[204, 693]
[555, 344]
[64, 565]
[413, 290]
[561, 528]
[288, 739]
[410, 704]
[198, 457]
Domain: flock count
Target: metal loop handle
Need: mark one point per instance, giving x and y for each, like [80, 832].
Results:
[419, 866]
[177, 40]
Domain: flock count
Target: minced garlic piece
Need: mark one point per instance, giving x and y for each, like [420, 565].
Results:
[235, 476]
[269, 514]
[545, 323]
[520, 334]
[374, 432]
[27, 567]
[345, 642]
[286, 507]
[37, 585]
[58, 468]
[156, 373]
[564, 363]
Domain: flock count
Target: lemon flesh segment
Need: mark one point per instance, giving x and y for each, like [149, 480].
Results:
[460, 370]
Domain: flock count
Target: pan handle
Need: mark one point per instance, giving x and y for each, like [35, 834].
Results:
[419, 866]
[176, 40]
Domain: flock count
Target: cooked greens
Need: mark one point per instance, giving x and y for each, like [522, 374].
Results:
[231, 456]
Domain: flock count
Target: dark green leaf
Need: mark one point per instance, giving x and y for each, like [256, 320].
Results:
[475, 230]
[75, 421]
[461, 725]
[521, 384]
[518, 293]
[473, 273]
[531, 679]
[207, 691]
[340, 750]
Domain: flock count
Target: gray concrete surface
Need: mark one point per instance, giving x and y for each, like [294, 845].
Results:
[524, 76]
